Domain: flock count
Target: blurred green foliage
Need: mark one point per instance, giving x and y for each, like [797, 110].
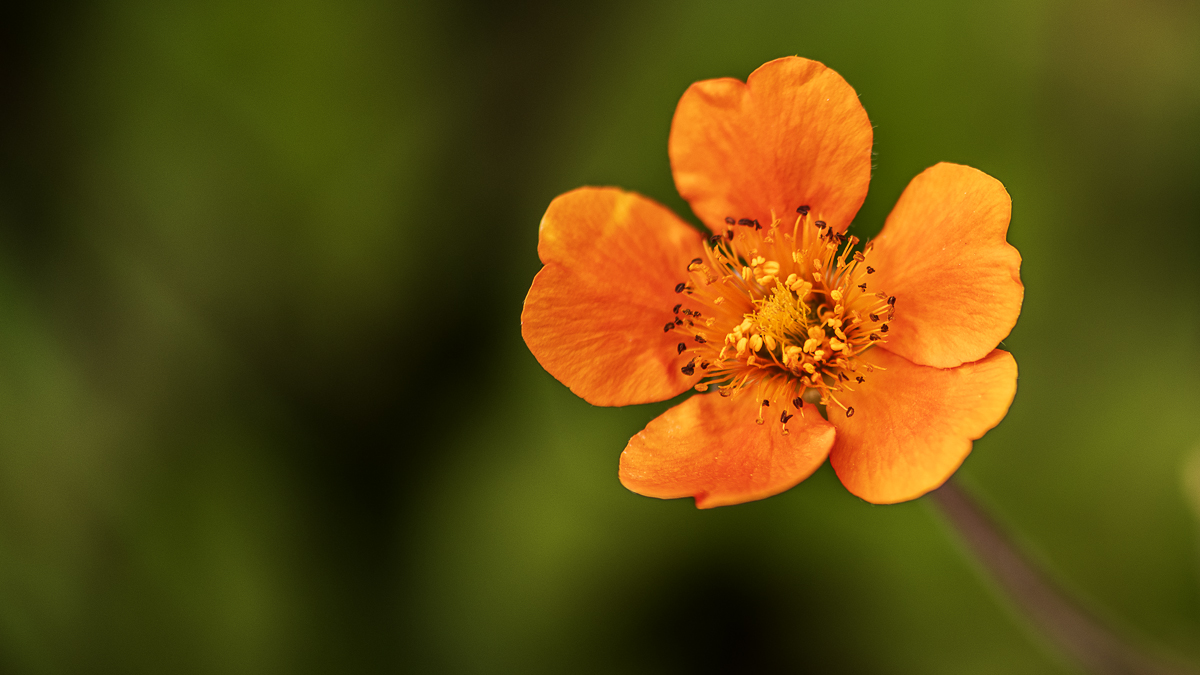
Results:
[265, 406]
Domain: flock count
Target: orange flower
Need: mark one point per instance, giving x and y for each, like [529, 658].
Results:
[882, 359]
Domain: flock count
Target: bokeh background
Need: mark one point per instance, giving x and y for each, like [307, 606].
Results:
[265, 407]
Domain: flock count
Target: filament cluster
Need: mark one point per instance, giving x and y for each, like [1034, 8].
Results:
[782, 313]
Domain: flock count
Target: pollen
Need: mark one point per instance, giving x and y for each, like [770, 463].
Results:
[790, 301]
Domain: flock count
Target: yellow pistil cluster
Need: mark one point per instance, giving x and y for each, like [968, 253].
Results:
[781, 311]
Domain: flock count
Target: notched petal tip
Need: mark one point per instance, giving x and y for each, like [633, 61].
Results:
[594, 314]
[793, 134]
[915, 424]
[944, 255]
[710, 448]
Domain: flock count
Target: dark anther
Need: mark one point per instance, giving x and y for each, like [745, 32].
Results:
[842, 377]
[870, 270]
[696, 314]
[680, 348]
[862, 287]
[729, 235]
[678, 321]
[803, 210]
[892, 301]
[883, 328]
[874, 317]
[820, 224]
[860, 379]
[679, 287]
[766, 403]
[796, 402]
[704, 365]
[668, 327]
[687, 312]
[729, 221]
[874, 337]
[676, 310]
[700, 339]
[850, 411]
[695, 261]
[689, 369]
[745, 221]
[715, 239]
[756, 225]
[784, 417]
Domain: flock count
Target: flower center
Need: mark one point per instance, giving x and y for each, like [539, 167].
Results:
[782, 312]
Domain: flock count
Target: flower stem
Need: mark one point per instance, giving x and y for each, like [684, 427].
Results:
[1077, 635]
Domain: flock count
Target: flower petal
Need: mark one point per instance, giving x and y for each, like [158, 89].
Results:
[710, 448]
[595, 314]
[913, 425]
[943, 255]
[793, 135]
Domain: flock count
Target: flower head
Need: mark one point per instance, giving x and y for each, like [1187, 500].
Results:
[802, 345]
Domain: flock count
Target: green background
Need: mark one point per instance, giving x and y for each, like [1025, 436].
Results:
[265, 407]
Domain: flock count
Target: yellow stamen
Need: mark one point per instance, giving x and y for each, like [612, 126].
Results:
[787, 330]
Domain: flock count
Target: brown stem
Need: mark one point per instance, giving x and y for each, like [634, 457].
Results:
[1076, 634]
